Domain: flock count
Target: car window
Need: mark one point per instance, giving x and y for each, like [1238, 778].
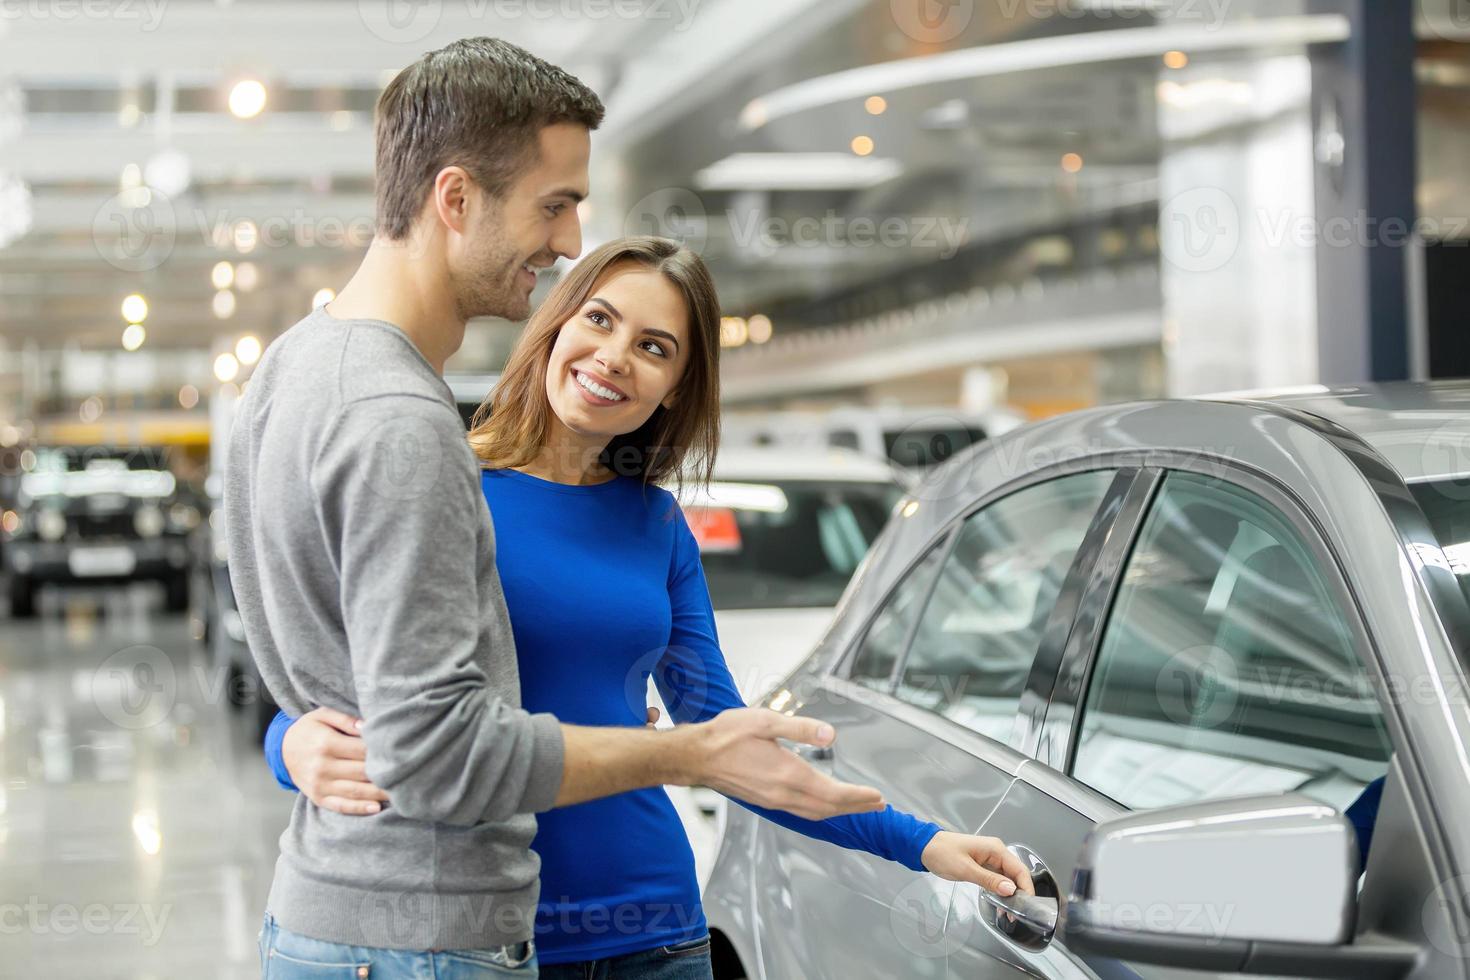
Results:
[885, 639]
[983, 623]
[924, 446]
[1227, 666]
[785, 544]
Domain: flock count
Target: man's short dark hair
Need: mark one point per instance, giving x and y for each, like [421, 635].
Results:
[478, 103]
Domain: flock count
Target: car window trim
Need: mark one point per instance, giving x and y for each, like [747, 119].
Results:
[1110, 541]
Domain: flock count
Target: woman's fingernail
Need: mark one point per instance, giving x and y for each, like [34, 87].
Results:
[1008, 887]
[825, 733]
[374, 808]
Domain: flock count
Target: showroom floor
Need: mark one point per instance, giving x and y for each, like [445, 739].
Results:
[138, 824]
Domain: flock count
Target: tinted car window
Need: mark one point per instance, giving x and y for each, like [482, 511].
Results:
[884, 642]
[921, 446]
[1227, 666]
[785, 543]
[983, 623]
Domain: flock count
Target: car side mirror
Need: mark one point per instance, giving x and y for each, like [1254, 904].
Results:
[1254, 885]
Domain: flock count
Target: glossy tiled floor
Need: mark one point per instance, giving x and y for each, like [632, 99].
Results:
[138, 824]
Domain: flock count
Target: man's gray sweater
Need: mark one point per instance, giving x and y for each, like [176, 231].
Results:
[362, 557]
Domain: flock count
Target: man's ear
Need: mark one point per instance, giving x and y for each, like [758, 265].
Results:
[451, 193]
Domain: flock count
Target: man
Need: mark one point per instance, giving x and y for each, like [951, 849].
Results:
[362, 556]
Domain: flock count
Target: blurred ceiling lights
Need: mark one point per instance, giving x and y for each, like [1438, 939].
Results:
[1092, 47]
[247, 99]
[796, 171]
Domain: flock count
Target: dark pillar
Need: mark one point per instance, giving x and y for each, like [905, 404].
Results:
[1363, 113]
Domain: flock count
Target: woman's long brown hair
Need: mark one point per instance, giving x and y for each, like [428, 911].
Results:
[677, 443]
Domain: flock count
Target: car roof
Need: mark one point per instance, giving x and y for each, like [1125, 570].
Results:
[1421, 428]
[827, 465]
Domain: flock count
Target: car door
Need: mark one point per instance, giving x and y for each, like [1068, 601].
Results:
[1224, 659]
[927, 713]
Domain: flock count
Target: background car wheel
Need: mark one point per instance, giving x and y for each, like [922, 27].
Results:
[22, 598]
[176, 594]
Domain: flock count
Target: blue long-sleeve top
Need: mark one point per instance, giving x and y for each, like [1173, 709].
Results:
[604, 587]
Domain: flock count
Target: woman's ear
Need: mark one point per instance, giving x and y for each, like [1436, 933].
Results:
[670, 398]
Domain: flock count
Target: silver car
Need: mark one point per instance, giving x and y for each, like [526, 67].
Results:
[1201, 663]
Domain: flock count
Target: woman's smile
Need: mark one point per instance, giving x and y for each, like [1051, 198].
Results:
[596, 390]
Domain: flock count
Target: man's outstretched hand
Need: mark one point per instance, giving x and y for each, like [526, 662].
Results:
[737, 754]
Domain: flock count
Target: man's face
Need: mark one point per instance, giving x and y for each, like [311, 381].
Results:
[533, 223]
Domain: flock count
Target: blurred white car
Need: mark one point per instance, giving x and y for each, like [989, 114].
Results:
[780, 532]
[913, 438]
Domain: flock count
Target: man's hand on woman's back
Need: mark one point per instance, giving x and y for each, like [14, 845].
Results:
[327, 760]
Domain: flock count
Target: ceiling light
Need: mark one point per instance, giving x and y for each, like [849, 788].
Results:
[224, 304]
[759, 327]
[862, 145]
[188, 396]
[796, 171]
[222, 276]
[1175, 59]
[247, 99]
[168, 172]
[247, 276]
[322, 297]
[226, 368]
[247, 350]
[1072, 162]
[876, 105]
[134, 336]
[245, 237]
[135, 308]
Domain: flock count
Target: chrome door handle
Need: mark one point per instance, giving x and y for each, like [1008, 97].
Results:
[1037, 914]
[1029, 921]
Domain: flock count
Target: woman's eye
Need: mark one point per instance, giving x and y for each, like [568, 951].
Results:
[598, 318]
[654, 346]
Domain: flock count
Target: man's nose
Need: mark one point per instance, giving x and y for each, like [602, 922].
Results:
[566, 234]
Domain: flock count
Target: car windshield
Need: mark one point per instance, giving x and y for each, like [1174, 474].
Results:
[785, 544]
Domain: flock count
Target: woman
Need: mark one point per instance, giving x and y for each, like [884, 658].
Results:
[612, 388]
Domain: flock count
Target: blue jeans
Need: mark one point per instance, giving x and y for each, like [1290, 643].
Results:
[285, 955]
[685, 961]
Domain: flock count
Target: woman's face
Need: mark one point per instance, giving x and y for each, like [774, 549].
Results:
[621, 355]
